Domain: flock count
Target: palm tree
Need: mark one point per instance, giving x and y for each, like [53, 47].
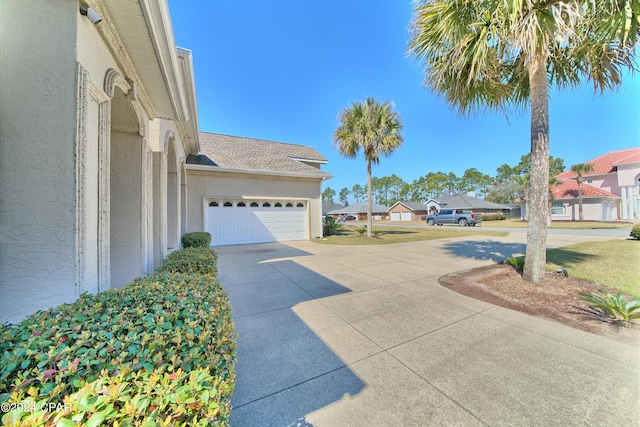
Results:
[373, 128]
[501, 54]
[580, 169]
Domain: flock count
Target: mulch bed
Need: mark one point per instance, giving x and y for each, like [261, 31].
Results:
[556, 298]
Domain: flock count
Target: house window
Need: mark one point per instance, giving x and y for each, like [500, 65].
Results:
[241, 204]
[266, 205]
[289, 205]
[299, 205]
[278, 205]
[589, 181]
[227, 204]
[558, 209]
[213, 204]
[254, 204]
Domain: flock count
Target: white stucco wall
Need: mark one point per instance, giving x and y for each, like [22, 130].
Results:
[52, 107]
[37, 129]
[202, 185]
[628, 175]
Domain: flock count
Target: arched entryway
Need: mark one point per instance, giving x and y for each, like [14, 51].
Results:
[126, 155]
[173, 197]
[183, 197]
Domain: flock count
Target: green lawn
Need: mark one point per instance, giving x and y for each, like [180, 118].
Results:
[348, 236]
[613, 263]
[577, 225]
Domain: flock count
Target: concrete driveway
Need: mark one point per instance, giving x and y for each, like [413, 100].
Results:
[366, 336]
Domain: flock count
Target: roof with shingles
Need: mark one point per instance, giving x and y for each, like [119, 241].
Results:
[237, 152]
[414, 206]
[467, 202]
[360, 207]
[607, 163]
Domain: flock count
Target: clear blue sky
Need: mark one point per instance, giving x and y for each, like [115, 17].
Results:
[283, 70]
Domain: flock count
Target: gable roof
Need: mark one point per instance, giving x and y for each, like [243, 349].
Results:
[607, 163]
[330, 206]
[467, 202]
[360, 207]
[568, 189]
[240, 153]
[414, 206]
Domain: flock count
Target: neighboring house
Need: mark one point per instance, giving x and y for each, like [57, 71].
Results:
[460, 201]
[244, 190]
[408, 211]
[609, 192]
[330, 206]
[97, 121]
[359, 210]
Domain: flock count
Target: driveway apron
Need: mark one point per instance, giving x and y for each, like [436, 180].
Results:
[366, 336]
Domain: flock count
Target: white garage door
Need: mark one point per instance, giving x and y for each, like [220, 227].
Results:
[395, 216]
[406, 216]
[233, 223]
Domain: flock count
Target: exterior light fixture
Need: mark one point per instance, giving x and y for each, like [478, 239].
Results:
[91, 14]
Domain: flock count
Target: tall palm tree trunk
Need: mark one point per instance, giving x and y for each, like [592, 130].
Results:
[369, 201]
[580, 212]
[537, 208]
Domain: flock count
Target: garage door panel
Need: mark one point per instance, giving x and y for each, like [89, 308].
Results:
[250, 224]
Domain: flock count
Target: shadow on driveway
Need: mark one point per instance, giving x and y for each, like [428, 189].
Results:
[283, 370]
[485, 250]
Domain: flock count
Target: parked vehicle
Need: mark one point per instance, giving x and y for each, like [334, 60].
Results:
[455, 216]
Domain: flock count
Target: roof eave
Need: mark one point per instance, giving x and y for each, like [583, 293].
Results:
[300, 159]
[206, 168]
[192, 122]
[156, 13]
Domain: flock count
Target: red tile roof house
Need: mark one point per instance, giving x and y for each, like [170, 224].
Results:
[609, 193]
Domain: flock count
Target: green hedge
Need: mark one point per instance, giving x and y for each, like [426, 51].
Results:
[190, 260]
[493, 217]
[160, 351]
[635, 232]
[199, 239]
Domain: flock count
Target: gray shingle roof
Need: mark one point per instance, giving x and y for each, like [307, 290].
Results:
[415, 206]
[467, 202]
[360, 207]
[255, 154]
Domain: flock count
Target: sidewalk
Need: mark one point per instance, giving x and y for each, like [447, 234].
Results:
[365, 336]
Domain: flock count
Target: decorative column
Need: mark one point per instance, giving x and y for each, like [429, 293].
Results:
[623, 199]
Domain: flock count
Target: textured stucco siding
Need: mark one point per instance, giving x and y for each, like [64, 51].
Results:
[201, 186]
[628, 175]
[37, 129]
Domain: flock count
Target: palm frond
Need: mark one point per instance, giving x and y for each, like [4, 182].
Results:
[476, 54]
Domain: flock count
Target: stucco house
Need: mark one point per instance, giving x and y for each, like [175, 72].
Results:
[359, 210]
[102, 165]
[96, 119]
[610, 192]
[245, 190]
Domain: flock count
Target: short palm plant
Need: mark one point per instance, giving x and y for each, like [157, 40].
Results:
[516, 262]
[616, 306]
[330, 226]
